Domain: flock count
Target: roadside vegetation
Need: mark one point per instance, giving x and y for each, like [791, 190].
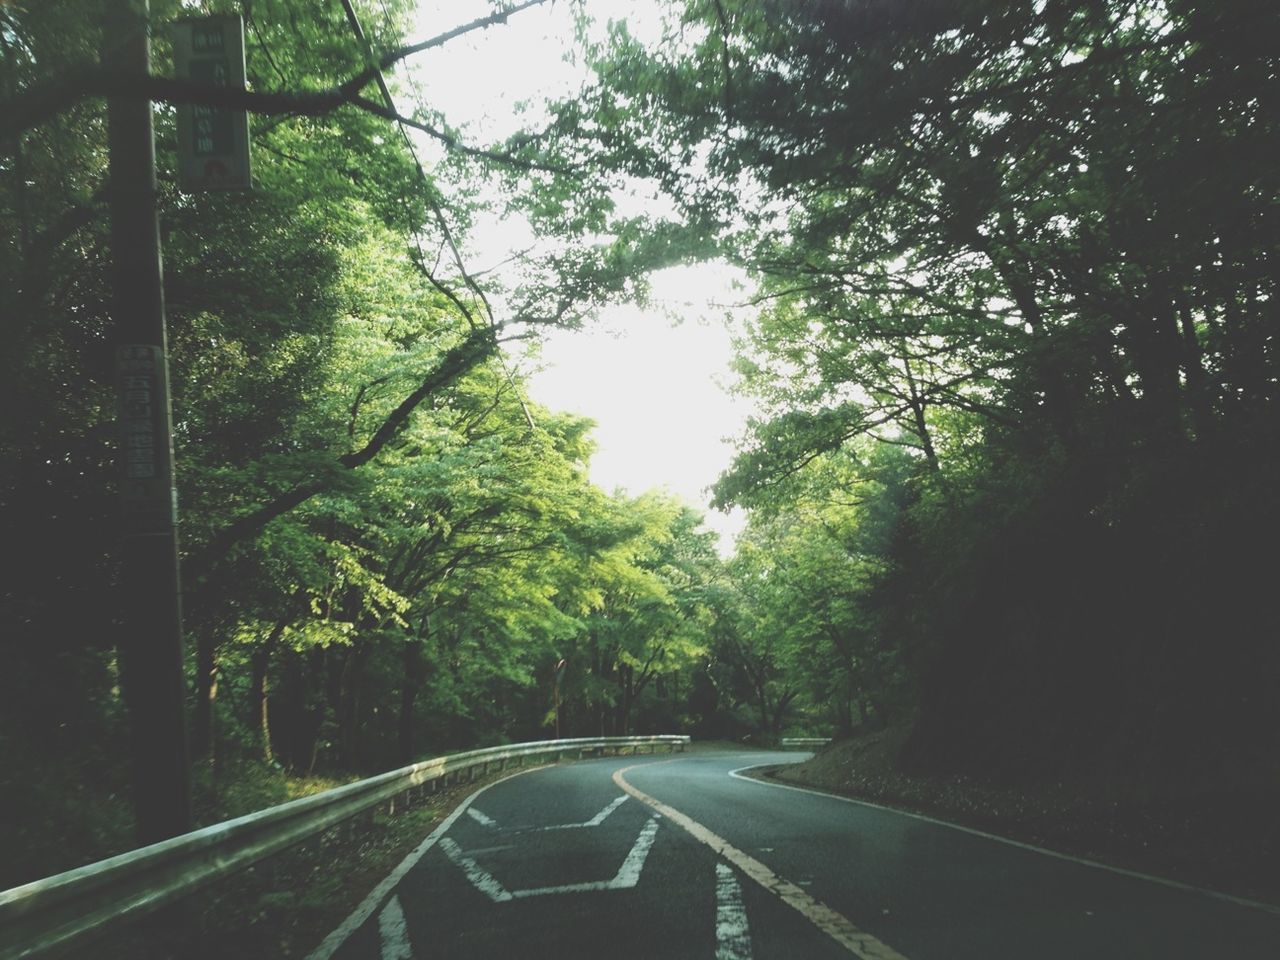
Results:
[1013, 337]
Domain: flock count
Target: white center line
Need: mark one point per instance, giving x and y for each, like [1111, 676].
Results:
[394, 932]
[733, 938]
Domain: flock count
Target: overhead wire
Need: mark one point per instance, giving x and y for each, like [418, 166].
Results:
[366, 49]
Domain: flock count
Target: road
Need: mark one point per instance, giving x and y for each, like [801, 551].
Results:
[683, 857]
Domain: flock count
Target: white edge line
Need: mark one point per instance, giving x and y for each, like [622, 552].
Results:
[330, 945]
[1097, 865]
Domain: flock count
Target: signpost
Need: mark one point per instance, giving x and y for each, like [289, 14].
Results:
[146, 484]
[150, 639]
[213, 142]
[213, 155]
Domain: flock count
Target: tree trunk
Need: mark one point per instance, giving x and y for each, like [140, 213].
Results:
[845, 713]
[260, 663]
[1193, 366]
[1156, 357]
[917, 402]
[202, 727]
[624, 699]
[414, 670]
[297, 712]
[1059, 402]
[351, 682]
[259, 718]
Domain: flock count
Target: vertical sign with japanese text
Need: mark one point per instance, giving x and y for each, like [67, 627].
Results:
[146, 487]
[213, 142]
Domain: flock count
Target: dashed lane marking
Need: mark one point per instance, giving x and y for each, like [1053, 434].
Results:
[733, 936]
[858, 942]
[480, 818]
[394, 932]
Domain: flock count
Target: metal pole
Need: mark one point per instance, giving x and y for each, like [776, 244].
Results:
[150, 643]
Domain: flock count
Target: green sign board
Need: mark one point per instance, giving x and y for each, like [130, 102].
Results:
[213, 142]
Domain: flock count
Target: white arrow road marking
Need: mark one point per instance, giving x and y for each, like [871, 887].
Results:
[394, 932]
[486, 821]
[480, 878]
[733, 938]
[628, 874]
[370, 904]
[595, 821]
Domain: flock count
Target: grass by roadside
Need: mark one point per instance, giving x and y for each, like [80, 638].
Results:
[1215, 832]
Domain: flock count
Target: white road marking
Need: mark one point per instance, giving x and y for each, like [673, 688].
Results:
[834, 924]
[595, 821]
[1163, 881]
[480, 878]
[379, 893]
[486, 821]
[600, 817]
[476, 851]
[628, 874]
[733, 938]
[394, 932]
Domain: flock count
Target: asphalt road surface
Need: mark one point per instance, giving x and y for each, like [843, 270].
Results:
[660, 857]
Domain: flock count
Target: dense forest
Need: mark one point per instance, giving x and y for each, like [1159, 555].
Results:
[1012, 339]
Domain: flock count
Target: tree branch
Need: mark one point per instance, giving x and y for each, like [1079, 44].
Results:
[42, 102]
[472, 351]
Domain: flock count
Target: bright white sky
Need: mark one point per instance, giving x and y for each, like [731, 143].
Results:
[652, 385]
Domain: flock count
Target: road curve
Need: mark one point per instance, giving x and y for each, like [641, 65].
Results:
[646, 857]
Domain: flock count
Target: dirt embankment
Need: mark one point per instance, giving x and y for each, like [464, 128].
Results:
[1221, 834]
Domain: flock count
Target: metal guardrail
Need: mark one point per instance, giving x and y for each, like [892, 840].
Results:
[46, 917]
[805, 741]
